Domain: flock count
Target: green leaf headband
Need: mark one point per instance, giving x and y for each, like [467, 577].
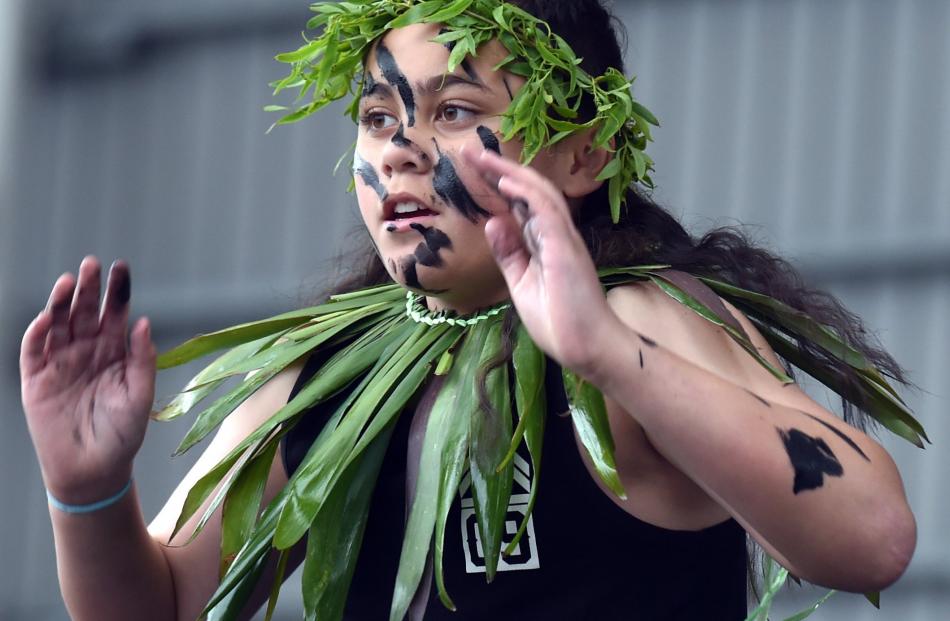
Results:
[545, 110]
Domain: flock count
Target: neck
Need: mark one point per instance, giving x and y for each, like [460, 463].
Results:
[466, 305]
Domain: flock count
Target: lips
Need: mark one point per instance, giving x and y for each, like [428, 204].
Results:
[404, 207]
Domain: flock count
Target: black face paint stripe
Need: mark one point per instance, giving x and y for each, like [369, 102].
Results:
[465, 64]
[508, 89]
[488, 138]
[641, 358]
[369, 176]
[399, 139]
[811, 458]
[392, 74]
[427, 253]
[841, 435]
[449, 187]
[369, 84]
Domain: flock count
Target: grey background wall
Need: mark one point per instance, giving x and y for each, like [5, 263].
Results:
[134, 129]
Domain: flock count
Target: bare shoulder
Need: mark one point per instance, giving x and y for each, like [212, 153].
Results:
[248, 416]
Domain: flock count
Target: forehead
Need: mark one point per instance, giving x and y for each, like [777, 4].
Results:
[417, 55]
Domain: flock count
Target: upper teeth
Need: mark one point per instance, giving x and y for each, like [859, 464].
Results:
[407, 207]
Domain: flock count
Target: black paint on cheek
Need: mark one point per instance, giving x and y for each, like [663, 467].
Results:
[811, 458]
[370, 177]
[488, 138]
[648, 341]
[841, 435]
[392, 74]
[450, 189]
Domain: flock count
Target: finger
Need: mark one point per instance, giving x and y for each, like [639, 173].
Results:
[140, 371]
[492, 165]
[508, 247]
[529, 204]
[58, 307]
[113, 323]
[32, 355]
[84, 316]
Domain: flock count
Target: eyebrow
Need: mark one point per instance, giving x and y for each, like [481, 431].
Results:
[435, 84]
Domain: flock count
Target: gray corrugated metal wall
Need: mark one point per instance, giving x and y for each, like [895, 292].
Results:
[139, 134]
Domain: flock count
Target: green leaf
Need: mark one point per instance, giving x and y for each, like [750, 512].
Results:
[242, 504]
[336, 535]
[874, 597]
[416, 13]
[531, 403]
[642, 111]
[589, 415]
[612, 168]
[199, 387]
[230, 607]
[439, 473]
[708, 314]
[454, 8]
[275, 587]
[807, 612]
[320, 469]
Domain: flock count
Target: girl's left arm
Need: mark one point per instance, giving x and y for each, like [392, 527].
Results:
[823, 498]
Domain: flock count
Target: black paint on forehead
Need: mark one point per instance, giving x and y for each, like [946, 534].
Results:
[508, 88]
[392, 74]
[488, 138]
[449, 187]
[369, 84]
[465, 64]
[369, 176]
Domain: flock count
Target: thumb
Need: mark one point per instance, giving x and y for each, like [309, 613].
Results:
[508, 248]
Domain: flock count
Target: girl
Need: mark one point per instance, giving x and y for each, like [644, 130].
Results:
[709, 445]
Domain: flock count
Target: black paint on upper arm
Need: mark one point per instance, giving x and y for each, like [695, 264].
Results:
[648, 341]
[841, 435]
[811, 458]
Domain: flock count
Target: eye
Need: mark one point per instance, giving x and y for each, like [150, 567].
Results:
[455, 114]
[378, 121]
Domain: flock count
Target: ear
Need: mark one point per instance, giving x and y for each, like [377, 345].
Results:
[580, 164]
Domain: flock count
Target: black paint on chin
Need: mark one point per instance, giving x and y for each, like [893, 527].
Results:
[811, 458]
[489, 140]
[369, 176]
[392, 74]
[841, 435]
[449, 187]
[427, 254]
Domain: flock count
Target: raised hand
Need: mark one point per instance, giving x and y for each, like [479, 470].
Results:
[86, 392]
[549, 272]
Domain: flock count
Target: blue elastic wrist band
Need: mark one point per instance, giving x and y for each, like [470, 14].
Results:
[95, 506]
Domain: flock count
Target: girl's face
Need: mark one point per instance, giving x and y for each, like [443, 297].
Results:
[426, 212]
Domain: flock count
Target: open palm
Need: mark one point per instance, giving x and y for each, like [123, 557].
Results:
[86, 392]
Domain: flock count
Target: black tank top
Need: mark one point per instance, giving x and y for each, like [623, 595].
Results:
[582, 556]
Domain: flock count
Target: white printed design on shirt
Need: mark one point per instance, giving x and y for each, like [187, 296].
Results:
[525, 554]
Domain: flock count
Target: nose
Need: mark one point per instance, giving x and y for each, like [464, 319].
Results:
[402, 154]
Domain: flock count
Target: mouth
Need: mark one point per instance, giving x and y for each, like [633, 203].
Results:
[403, 209]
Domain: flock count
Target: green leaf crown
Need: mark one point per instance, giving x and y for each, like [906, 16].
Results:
[544, 112]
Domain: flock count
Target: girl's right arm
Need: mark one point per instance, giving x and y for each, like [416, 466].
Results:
[87, 388]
